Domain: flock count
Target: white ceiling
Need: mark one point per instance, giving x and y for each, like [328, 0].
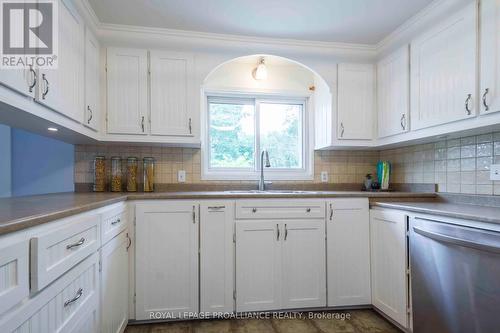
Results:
[350, 21]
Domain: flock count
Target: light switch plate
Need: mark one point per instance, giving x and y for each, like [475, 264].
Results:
[324, 176]
[181, 176]
[495, 172]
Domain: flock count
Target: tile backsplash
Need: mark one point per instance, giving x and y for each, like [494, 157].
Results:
[456, 165]
[342, 166]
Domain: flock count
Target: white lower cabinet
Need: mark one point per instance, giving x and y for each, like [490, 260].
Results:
[216, 256]
[114, 284]
[61, 305]
[348, 252]
[389, 264]
[280, 264]
[166, 258]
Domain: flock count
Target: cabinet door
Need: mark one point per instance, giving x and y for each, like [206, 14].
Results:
[303, 264]
[355, 101]
[389, 264]
[91, 106]
[216, 256]
[62, 89]
[127, 85]
[171, 82]
[348, 252]
[258, 265]
[166, 258]
[114, 284]
[443, 71]
[393, 93]
[490, 56]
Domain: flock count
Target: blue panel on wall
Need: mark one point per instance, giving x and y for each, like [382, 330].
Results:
[5, 174]
[40, 164]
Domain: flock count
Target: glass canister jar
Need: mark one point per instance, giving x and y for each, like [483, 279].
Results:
[116, 174]
[99, 174]
[132, 174]
[148, 172]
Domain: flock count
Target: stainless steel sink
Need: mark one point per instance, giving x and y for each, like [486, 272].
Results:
[271, 192]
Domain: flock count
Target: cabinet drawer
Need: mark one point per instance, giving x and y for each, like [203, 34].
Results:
[59, 306]
[55, 252]
[279, 209]
[14, 272]
[114, 221]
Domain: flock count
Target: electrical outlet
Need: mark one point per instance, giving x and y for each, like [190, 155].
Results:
[495, 172]
[324, 176]
[181, 176]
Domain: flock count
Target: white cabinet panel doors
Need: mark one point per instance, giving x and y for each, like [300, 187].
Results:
[490, 56]
[127, 86]
[61, 89]
[348, 252]
[166, 258]
[356, 90]
[280, 265]
[91, 106]
[171, 103]
[216, 256]
[443, 71]
[393, 93]
[389, 263]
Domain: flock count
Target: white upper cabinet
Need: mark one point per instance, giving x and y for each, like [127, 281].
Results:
[490, 56]
[91, 106]
[171, 102]
[393, 93]
[356, 101]
[21, 80]
[62, 89]
[348, 252]
[127, 86]
[443, 71]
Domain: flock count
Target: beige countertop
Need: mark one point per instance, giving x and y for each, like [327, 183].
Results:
[460, 211]
[23, 212]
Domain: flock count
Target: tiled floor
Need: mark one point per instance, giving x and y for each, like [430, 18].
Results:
[361, 321]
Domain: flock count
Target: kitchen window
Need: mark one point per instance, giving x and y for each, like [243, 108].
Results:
[239, 128]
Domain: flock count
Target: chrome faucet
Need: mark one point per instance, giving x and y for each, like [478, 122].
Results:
[262, 183]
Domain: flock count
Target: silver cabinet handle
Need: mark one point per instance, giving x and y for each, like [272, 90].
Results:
[216, 207]
[129, 241]
[486, 106]
[79, 294]
[403, 122]
[190, 124]
[331, 212]
[142, 124]
[116, 221]
[91, 114]
[286, 232]
[46, 86]
[194, 214]
[342, 129]
[33, 84]
[79, 243]
[467, 101]
[254, 210]
[277, 232]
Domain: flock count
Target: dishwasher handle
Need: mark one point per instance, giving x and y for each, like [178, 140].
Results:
[457, 241]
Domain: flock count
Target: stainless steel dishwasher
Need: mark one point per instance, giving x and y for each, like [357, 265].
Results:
[455, 278]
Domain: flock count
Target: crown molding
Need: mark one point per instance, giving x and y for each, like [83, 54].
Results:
[234, 38]
[89, 13]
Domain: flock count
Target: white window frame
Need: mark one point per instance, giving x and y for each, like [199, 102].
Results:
[304, 173]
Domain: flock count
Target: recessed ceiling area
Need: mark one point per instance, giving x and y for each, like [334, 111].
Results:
[348, 21]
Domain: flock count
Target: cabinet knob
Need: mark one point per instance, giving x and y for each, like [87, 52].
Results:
[308, 210]
[254, 210]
